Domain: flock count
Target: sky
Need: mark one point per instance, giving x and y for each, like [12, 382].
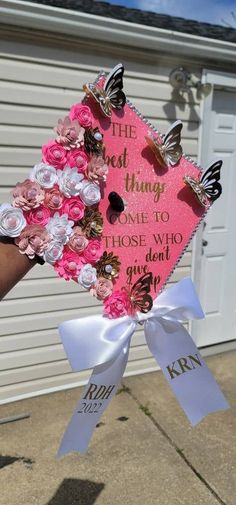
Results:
[210, 11]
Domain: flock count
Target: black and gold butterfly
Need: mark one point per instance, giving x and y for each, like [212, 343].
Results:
[139, 295]
[169, 151]
[208, 187]
[110, 95]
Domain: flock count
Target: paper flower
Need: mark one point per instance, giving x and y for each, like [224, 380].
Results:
[69, 133]
[77, 242]
[93, 141]
[108, 266]
[117, 305]
[82, 113]
[27, 195]
[97, 169]
[12, 220]
[54, 199]
[74, 208]
[53, 252]
[32, 240]
[54, 154]
[70, 181]
[90, 193]
[87, 276]
[79, 159]
[60, 228]
[44, 174]
[69, 265]
[102, 288]
[41, 215]
[92, 223]
[93, 251]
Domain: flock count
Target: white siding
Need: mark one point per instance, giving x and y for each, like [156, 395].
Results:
[35, 92]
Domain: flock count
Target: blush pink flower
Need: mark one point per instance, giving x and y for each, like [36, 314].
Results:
[33, 240]
[117, 305]
[97, 169]
[82, 113]
[102, 289]
[27, 195]
[93, 251]
[41, 215]
[69, 133]
[74, 208]
[79, 159]
[54, 154]
[54, 199]
[69, 265]
[77, 242]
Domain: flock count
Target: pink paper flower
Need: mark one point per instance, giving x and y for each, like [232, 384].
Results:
[69, 133]
[97, 169]
[41, 215]
[69, 265]
[74, 208]
[117, 305]
[102, 289]
[82, 113]
[54, 154]
[27, 195]
[79, 159]
[33, 240]
[93, 251]
[54, 199]
[77, 242]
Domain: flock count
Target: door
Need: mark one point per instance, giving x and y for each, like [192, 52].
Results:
[217, 277]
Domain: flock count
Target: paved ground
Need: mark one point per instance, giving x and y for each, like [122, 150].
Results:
[144, 452]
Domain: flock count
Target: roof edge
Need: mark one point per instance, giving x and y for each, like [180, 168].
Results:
[92, 27]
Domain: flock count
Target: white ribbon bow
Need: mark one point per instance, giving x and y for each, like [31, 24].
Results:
[104, 344]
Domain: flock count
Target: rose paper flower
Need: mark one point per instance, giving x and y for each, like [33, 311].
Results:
[90, 193]
[70, 181]
[93, 251]
[74, 208]
[69, 133]
[41, 215]
[102, 289]
[53, 199]
[79, 159]
[117, 305]
[69, 265]
[33, 240]
[54, 154]
[97, 169]
[53, 252]
[77, 242]
[12, 220]
[27, 195]
[60, 228]
[87, 276]
[45, 175]
[82, 113]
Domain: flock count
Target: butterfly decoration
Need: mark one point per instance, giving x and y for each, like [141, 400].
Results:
[208, 186]
[110, 95]
[169, 151]
[139, 296]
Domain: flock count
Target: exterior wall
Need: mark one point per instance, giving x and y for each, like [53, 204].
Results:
[41, 79]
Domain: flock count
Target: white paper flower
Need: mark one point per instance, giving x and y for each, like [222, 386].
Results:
[45, 175]
[60, 228]
[53, 252]
[70, 181]
[90, 193]
[87, 276]
[12, 220]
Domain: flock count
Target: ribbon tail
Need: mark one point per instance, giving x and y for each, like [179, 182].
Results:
[98, 393]
[184, 368]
